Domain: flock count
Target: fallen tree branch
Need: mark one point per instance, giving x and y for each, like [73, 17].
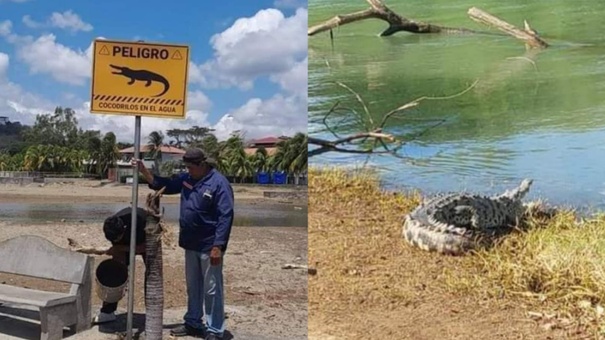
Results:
[327, 146]
[75, 246]
[417, 101]
[397, 23]
[374, 133]
[529, 35]
[378, 10]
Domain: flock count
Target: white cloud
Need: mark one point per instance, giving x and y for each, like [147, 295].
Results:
[31, 23]
[70, 21]
[45, 55]
[276, 116]
[294, 80]
[5, 28]
[6, 32]
[197, 100]
[4, 59]
[15, 103]
[267, 43]
[67, 20]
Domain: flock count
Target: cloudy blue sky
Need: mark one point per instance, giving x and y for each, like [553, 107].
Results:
[248, 62]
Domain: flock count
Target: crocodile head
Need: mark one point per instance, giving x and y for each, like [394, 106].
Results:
[119, 68]
[519, 192]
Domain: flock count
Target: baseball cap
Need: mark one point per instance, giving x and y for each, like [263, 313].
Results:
[194, 155]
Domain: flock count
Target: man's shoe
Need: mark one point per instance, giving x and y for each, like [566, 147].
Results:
[184, 330]
[212, 336]
[104, 318]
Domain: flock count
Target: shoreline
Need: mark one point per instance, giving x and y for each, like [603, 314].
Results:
[94, 191]
[582, 210]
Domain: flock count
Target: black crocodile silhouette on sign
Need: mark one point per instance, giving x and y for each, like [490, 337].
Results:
[142, 75]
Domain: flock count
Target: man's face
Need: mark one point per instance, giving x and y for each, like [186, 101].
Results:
[196, 170]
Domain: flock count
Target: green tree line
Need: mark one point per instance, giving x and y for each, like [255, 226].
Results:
[55, 143]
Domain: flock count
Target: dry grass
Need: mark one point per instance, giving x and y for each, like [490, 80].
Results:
[355, 243]
[555, 265]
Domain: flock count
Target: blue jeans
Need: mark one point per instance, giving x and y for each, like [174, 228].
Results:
[204, 290]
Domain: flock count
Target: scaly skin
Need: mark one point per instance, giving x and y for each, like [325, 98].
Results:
[455, 223]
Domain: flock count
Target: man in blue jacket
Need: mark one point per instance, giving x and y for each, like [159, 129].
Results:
[206, 217]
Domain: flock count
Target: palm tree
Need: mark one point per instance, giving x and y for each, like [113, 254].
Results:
[109, 153]
[154, 283]
[291, 156]
[233, 158]
[260, 160]
[4, 161]
[298, 155]
[155, 143]
[211, 146]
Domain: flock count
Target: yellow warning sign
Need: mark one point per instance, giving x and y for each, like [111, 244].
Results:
[137, 78]
[177, 55]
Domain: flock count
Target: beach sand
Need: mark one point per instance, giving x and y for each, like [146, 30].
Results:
[263, 301]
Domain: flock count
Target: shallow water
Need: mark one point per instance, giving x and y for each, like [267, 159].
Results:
[537, 115]
[261, 215]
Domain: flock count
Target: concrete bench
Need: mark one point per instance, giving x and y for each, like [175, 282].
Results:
[37, 257]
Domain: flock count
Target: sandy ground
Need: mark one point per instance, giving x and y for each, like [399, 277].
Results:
[91, 191]
[263, 301]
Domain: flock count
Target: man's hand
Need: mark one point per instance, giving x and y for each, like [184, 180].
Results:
[215, 256]
[137, 163]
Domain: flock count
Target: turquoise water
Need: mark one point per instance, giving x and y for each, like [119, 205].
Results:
[530, 114]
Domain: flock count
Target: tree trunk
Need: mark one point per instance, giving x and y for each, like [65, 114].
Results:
[154, 288]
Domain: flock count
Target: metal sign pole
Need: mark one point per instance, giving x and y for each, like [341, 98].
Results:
[122, 76]
[133, 229]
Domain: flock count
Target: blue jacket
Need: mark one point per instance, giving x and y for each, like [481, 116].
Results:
[206, 213]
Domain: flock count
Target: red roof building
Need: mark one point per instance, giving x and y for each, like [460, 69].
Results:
[269, 143]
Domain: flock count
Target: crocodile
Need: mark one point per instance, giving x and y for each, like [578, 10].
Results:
[456, 223]
[142, 75]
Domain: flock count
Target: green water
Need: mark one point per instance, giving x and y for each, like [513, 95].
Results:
[530, 114]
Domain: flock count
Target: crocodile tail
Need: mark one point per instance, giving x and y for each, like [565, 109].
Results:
[438, 237]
